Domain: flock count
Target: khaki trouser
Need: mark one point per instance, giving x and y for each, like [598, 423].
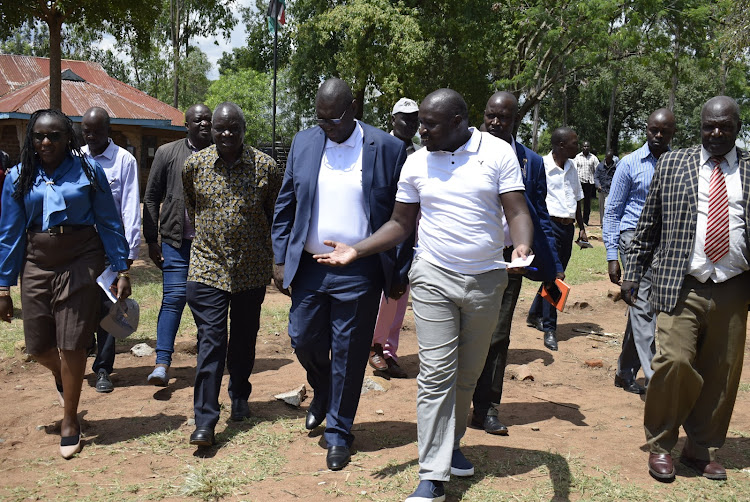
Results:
[698, 367]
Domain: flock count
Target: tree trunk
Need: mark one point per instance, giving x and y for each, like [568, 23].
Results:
[359, 96]
[54, 22]
[535, 131]
[675, 69]
[611, 120]
[175, 15]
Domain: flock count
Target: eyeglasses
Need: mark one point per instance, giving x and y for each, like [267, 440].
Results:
[54, 137]
[332, 121]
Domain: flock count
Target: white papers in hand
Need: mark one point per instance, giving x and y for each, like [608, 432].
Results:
[518, 262]
[105, 281]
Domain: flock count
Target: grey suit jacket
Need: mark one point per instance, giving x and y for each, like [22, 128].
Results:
[665, 234]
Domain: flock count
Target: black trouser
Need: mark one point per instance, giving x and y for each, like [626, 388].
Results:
[489, 389]
[589, 193]
[210, 307]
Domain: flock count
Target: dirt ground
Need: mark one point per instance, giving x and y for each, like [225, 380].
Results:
[573, 435]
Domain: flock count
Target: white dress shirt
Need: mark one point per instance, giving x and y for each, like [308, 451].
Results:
[563, 188]
[736, 261]
[122, 173]
[338, 210]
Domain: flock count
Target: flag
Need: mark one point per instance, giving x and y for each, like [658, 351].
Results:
[276, 10]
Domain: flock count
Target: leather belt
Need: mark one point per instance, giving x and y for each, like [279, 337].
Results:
[59, 229]
[562, 221]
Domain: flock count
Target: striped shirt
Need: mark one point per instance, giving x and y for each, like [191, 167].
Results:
[627, 196]
[586, 164]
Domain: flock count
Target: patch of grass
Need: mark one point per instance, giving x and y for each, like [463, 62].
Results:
[744, 387]
[273, 320]
[209, 481]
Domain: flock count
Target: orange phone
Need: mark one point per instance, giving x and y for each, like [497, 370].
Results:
[556, 294]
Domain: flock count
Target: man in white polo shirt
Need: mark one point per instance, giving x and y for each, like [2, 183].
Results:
[461, 183]
[563, 203]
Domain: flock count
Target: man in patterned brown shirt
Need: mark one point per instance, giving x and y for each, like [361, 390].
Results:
[230, 191]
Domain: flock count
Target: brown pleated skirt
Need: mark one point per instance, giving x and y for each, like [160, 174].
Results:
[59, 294]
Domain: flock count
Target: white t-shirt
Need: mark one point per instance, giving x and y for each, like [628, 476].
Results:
[338, 210]
[563, 188]
[461, 225]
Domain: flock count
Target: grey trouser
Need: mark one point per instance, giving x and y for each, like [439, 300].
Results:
[455, 315]
[638, 346]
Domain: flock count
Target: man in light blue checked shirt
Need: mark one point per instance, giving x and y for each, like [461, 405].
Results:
[625, 202]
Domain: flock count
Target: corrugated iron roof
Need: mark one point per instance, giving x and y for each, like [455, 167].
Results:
[24, 88]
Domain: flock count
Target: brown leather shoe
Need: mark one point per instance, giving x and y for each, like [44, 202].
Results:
[377, 361]
[394, 369]
[660, 466]
[708, 469]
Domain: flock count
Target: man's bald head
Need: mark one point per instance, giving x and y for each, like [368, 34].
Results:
[660, 130]
[564, 143]
[228, 130]
[198, 125]
[444, 121]
[500, 115]
[96, 114]
[448, 101]
[334, 89]
[335, 107]
[720, 125]
[95, 129]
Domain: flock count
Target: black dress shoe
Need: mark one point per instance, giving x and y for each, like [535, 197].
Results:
[550, 340]
[202, 436]
[315, 414]
[240, 410]
[492, 425]
[629, 385]
[534, 322]
[338, 457]
[103, 383]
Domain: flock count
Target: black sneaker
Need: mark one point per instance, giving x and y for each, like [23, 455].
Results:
[103, 383]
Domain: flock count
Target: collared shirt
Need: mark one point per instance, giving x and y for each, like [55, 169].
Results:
[603, 175]
[122, 174]
[232, 209]
[585, 164]
[411, 147]
[736, 261]
[563, 188]
[627, 196]
[461, 225]
[338, 210]
[65, 198]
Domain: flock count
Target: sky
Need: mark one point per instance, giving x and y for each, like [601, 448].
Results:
[214, 47]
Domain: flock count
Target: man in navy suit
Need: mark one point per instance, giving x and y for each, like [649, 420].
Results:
[339, 185]
[499, 120]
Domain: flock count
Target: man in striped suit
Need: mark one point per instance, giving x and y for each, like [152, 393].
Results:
[694, 233]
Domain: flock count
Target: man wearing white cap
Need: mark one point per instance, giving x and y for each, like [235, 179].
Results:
[391, 313]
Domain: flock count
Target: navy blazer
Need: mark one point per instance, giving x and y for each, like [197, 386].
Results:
[382, 158]
[535, 181]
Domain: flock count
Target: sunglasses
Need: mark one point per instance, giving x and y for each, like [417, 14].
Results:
[332, 121]
[54, 137]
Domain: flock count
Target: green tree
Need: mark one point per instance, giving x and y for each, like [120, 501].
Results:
[93, 14]
[257, 54]
[251, 90]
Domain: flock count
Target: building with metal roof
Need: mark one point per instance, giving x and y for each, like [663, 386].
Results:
[139, 122]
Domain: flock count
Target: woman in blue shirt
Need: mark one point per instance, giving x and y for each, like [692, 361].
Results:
[50, 204]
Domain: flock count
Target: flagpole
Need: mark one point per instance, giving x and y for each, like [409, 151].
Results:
[275, 45]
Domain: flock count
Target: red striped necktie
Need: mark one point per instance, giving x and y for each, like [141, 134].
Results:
[717, 228]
